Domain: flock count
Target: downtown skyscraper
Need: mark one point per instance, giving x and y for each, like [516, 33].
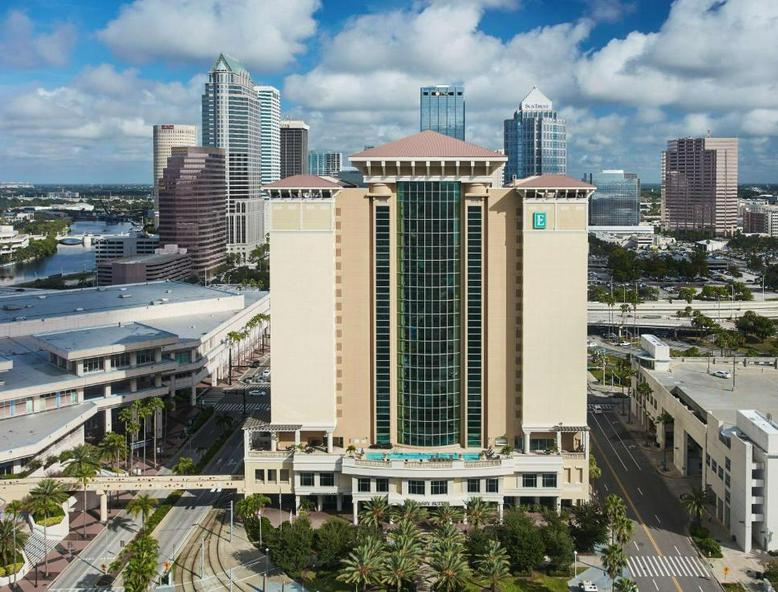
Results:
[294, 148]
[270, 132]
[699, 185]
[535, 139]
[442, 110]
[231, 120]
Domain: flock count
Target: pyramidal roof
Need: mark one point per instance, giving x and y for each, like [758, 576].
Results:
[226, 61]
[427, 144]
[536, 101]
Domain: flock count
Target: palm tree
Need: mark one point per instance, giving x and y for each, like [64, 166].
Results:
[112, 447]
[185, 466]
[84, 466]
[155, 405]
[142, 566]
[144, 412]
[129, 417]
[450, 571]
[399, 568]
[447, 536]
[625, 585]
[493, 565]
[695, 503]
[364, 564]
[12, 541]
[479, 512]
[446, 514]
[376, 511]
[614, 560]
[45, 500]
[411, 511]
[663, 419]
[250, 508]
[615, 510]
[625, 308]
[142, 504]
[622, 530]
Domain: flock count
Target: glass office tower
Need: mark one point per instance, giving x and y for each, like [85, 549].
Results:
[231, 120]
[617, 199]
[535, 139]
[442, 109]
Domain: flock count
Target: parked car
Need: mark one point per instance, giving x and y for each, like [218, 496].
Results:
[258, 393]
[625, 343]
[722, 374]
[587, 586]
[597, 409]
[266, 373]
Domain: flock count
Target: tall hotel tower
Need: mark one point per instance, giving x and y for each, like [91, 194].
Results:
[699, 185]
[442, 110]
[270, 132]
[535, 139]
[445, 328]
[231, 121]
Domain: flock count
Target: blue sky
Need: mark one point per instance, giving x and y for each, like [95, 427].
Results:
[81, 82]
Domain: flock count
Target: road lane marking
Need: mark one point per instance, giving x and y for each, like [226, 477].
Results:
[676, 549]
[634, 508]
[657, 519]
[655, 586]
[609, 442]
[634, 460]
[636, 545]
[640, 491]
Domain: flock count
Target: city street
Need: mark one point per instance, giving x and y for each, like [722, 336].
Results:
[661, 557]
[85, 571]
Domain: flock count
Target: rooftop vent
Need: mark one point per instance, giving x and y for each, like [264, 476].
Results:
[125, 295]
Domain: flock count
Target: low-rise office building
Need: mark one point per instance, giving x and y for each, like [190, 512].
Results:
[722, 431]
[70, 359]
[444, 322]
[168, 263]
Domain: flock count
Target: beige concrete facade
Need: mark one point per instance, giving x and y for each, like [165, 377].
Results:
[521, 435]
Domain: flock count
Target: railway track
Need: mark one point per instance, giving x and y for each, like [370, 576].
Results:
[216, 574]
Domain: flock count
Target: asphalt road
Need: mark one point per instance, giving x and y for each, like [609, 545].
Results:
[661, 556]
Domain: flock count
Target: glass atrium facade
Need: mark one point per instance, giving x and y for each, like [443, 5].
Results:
[429, 294]
[617, 199]
[442, 109]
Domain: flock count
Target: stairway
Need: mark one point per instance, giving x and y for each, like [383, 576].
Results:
[35, 549]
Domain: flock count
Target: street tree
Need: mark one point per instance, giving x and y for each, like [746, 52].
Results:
[43, 502]
[695, 503]
[493, 566]
[112, 448]
[333, 540]
[142, 504]
[614, 560]
[375, 511]
[185, 466]
[479, 513]
[449, 571]
[399, 569]
[84, 466]
[364, 565]
[13, 537]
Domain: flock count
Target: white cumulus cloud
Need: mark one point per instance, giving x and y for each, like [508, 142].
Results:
[22, 45]
[265, 35]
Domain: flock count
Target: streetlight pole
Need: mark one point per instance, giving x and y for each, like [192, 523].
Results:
[202, 558]
[575, 564]
[231, 520]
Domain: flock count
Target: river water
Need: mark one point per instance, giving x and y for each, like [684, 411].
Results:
[68, 259]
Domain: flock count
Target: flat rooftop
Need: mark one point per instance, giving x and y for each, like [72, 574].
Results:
[756, 387]
[40, 429]
[51, 303]
[117, 337]
[154, 258]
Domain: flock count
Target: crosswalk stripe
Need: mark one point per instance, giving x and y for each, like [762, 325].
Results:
[680, 565]
[650, 566]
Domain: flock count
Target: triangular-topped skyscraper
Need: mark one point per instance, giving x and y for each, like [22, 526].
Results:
[535, 139]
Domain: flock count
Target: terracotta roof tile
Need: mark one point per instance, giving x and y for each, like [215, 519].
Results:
[302, 182]
[551, 182]
[428, 144]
